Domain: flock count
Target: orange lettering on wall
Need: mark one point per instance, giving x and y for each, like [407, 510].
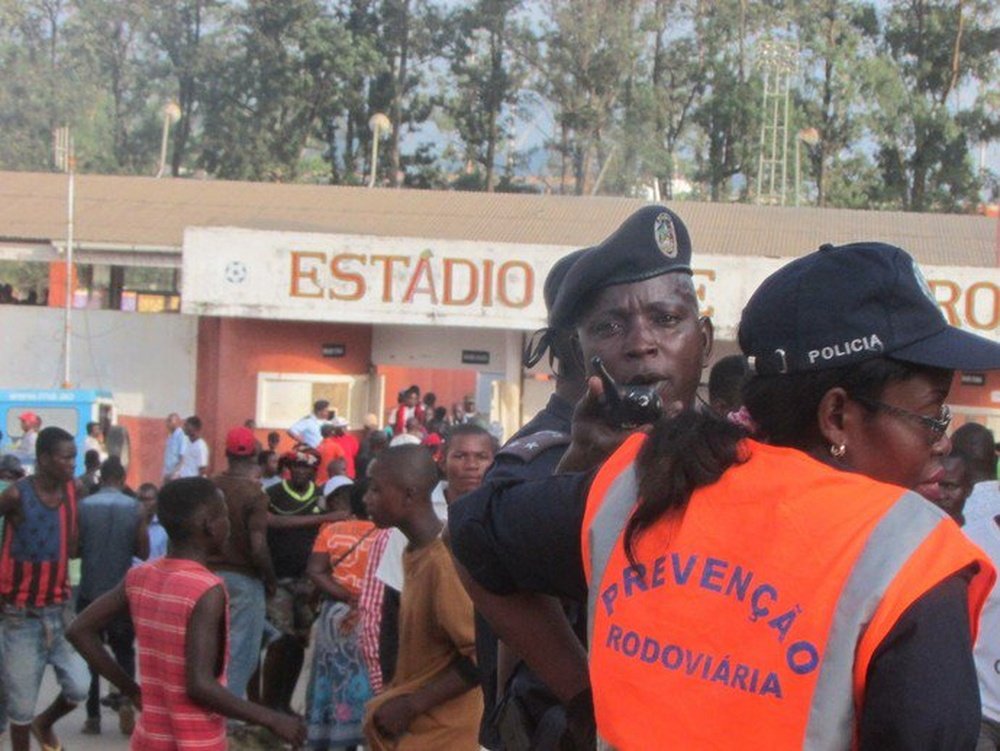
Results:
[993, 305]
[423, 271]
[949, 305]
[487, 283]
[344, 276]
[299, 273]
[529, 284]
[387, 273]
[448, 298]
[701, 291]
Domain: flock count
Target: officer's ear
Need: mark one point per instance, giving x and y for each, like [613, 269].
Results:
[576, 351]
[707, 337]
[833, 418]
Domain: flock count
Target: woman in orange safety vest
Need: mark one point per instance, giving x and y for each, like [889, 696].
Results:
[785, 591]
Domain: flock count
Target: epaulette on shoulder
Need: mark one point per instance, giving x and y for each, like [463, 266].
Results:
[528, 447]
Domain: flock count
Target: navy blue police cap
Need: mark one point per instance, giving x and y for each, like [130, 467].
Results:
[847, 304]
[557, 275]
[651, 242]
[541, 341]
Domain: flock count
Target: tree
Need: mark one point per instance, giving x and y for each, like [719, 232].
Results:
[834, 35]
[188, 33]
[728, 114]
[281, 83]
[111, 35]
[40, 89]
[362, 21]
[667, 82]
[930, 50]
[486, 77]
[588, 51]
[408, 41]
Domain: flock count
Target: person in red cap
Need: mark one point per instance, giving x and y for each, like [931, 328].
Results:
[31, 423]
[244, 563]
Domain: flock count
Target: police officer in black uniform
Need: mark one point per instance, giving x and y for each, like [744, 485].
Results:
[532, 453]
[535, 450]
[651, 243]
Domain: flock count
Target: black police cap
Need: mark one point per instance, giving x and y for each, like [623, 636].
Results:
[843, 305]
[651, 242]
[557, 275]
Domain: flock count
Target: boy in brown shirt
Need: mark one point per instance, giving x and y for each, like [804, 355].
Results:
[434, 701]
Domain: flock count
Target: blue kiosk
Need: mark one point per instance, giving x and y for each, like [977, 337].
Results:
[69, 409]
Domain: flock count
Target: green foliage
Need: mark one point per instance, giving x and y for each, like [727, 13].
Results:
[283, 81]
[481, 39]
[930, 51]
[894, 96]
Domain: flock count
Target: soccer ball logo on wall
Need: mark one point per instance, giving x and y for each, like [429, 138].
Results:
[236, 272]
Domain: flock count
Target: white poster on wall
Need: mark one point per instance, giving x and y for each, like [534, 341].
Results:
[400, 280]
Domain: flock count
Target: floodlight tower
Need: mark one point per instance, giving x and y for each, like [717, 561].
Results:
[778, 61]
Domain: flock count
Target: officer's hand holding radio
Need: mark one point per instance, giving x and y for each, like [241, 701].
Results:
[605, 417]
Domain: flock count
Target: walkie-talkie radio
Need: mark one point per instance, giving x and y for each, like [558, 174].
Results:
[628, 406]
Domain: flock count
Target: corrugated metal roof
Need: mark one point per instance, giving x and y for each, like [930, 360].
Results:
[147, 211]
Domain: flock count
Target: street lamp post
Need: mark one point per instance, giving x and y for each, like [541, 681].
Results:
[379, 124]
[171, 114]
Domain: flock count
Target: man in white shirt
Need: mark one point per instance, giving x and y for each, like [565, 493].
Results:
[985, 532]
[31, 423]
[173, 452]
[93, 441]
[194, 461]
[307, 430]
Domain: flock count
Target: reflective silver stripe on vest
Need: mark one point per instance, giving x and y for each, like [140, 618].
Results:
[892, 542]
[607, 527]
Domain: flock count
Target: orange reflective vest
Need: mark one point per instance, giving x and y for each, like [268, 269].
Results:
[759, 609]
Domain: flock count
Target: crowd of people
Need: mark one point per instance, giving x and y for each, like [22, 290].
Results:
[224, 579]
[803, 559]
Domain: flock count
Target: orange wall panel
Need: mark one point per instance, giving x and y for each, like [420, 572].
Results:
[57, 284]
[449, 386]
[232, 351]
[147, 439]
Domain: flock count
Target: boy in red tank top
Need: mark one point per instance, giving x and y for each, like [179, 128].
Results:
[179, 610]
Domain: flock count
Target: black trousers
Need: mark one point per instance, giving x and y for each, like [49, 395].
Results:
[120, 636]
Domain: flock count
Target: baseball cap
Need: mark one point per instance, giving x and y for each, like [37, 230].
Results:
[241, 442]
[335, 482]
[339, 422]
[29, 417]
[301, 454]
[404, 439]
[651, 242]
[846, 304]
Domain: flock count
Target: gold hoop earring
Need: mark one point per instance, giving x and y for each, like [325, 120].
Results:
[838, 451]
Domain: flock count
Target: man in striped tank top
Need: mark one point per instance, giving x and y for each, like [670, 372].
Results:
[180, 613]
[40, 536]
